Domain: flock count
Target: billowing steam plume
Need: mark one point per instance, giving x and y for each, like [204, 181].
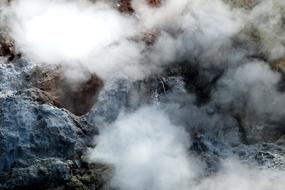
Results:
[151, 147]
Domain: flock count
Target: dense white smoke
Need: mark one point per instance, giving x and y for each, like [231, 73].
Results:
[98, 38]
[148, 151]
[57, 31]
[257, 83]
[235, 176]
[268, 18]
[76, 33]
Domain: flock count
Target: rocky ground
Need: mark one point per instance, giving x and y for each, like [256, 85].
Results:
[46, 125]
[43, 143]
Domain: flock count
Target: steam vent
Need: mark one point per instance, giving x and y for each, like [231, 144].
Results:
[142, 94]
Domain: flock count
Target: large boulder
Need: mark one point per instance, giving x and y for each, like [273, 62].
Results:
[37, 140]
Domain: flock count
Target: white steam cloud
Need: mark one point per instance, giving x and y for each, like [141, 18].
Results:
[76, 33]
[235, 176]
[69, 32]
[148, 151]
[96, 37]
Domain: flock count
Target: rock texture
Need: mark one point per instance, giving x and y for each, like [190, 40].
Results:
[246, 4]
[78, 97]
[41, 145]
[38, 138]
[47, 124]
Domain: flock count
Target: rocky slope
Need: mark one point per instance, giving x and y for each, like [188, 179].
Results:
[48, 125]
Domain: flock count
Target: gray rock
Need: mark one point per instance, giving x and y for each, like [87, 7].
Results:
[36, 140]
[245, 4]
[206, 120]
[281, 141]
[12, 76]
[258, 131]
[38, 174]
[111, 101]
[266, 155]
